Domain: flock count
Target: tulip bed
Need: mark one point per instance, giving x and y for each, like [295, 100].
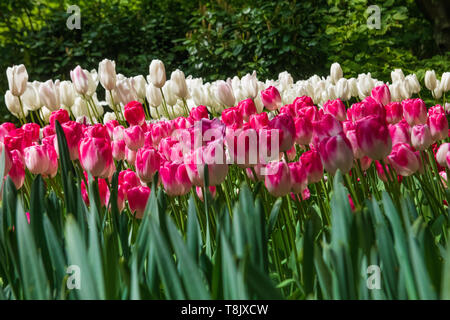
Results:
[268, 197]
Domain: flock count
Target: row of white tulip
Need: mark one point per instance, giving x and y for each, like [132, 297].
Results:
[176, 96]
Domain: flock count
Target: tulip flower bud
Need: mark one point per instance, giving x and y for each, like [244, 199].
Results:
[137, 200]
[412, 83]
[312, 163]
[17, 79]
[421, 137]
[404, 160]
[382, 94]
[107, 74]
[278, 181]
[336, 108]
[153, 95]
[134, 137]
[286, 126]
[441, 154]
[249, 85]
[80, 80]
[445, 82]
[438, 126]
[414, 111]
[36, 159]
[175, 178]
[336, 72]
[299, 177]
[179, 84]
[394, 112]
[400, 133]
[49, 95]
[259, 120]
[373, 137]
[17, 171]
[139, 85]
[232, 117]
[134, 113]
[336, 153]
[224, 94]
[271, 98]
[247, 108]
[95, 155]
[342, 89]
[327, 126]
[13, 104]
[147, 163]
[157, 73]
[198, 113]
[303, 131]
[430, 80]
[397, 75]
[118, 149]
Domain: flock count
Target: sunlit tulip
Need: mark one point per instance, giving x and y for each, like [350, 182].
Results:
[336, 153]
[278, 181]
[147, 163]
[421, 137]
[271, 98]
[95, 155]
[373, 137]
[404, 160]
[175, 178]
[107, 74]
[430, 80]
[312, 163]
[17, 79]
[336, 72]
[414, 111]
[157, 73]
[137, 200]
[134, 113]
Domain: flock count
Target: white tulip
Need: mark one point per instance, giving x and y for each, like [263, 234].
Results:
[109, 116]
[107, 74]
[430, 80]
[285, 79]
[92, 81]
[67, 93]
[249, 84]
[17, 79]
[45, 114]
[437, 92]
[49, 95]
[179, 84]
[413, 83]
[13, 104]
[336, 72]
[169, 94]
[157, 73]
[397, 75]
[139, 83]
[342, 90]
[30, 98]
[224, 94]
[80, 108]
[125, 91]
[153, 95]
[80, 80]
[445, 82]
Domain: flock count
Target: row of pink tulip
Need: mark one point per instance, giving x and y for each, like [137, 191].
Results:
[329, 138]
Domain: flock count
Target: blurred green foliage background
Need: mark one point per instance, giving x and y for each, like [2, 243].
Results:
[217, 39]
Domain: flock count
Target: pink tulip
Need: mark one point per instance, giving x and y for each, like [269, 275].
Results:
[18, 139]
[118, 133]
[36, 159]
[404, 160]
[365, 163]
[134, 113]
[168, 149]
[134, 137]
[286, 126]
[400, 132]
[414, 111]
[73, 133]
[118, 149]
[181, 123]
[373, 137]
[271, 98]
[160, 130]
[128, 179]
[351, 136]
[5, 128]
[130, 156]
[232, 117]
[327, 126]
[365, 108]
[247, 108]
[258, 121]
[312, 163]
[147, 163]
[441, 154]
[17, 171]
[299, 177]
[336, 108]
[52, 156]
[394, 112]
[212, 192]
[436, 110]
[32, 130]
[291, 153]
[382, 94]
[95, 156]
[61, 115]
[309, 112]
[301, 102]
[96, 131]
[438, 126]
[336, 153]
[289, 110]
[242, 145]
[198, 113]
[103, 191]
[348, 125]
[303, 131]
[421, 137]
[137, 200]
[278, 183]
[110, 125]
[175, 178]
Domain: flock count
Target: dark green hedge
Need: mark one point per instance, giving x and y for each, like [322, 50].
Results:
[214, 39]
